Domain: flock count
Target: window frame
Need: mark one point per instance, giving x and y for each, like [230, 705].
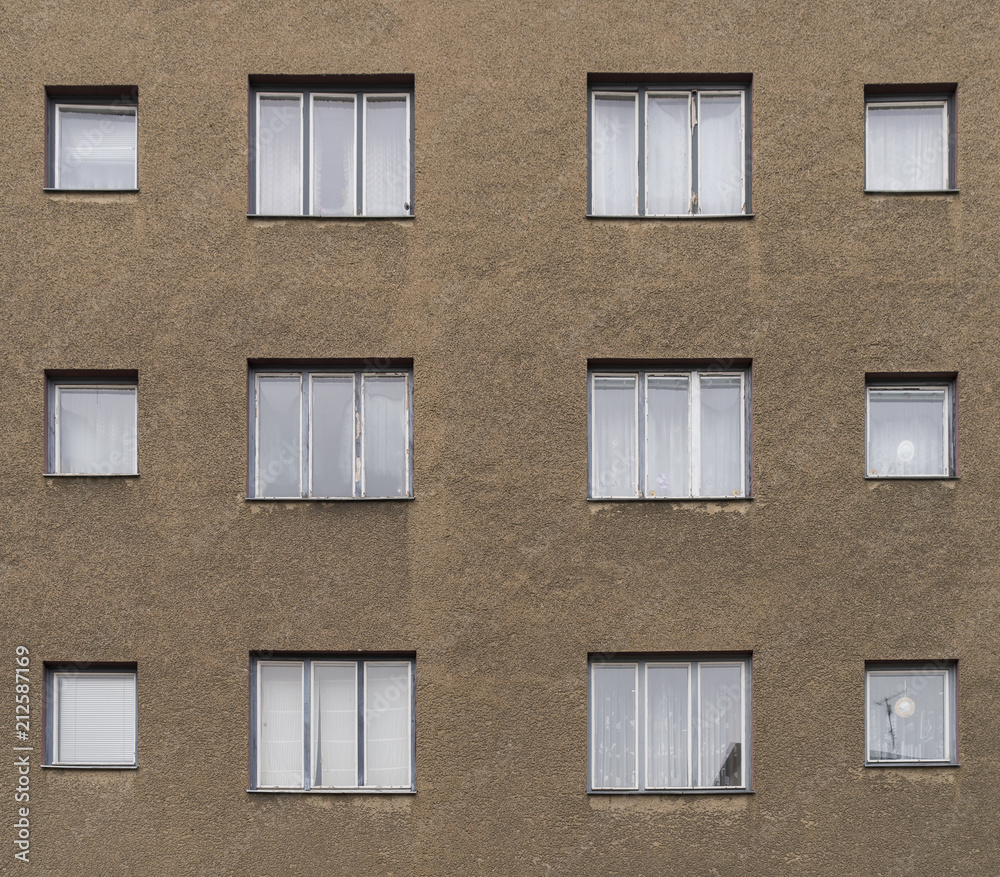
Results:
[694, 373]
[695, 88]
[693, 663]
[307, 94]
[949, 671]
[307, 661]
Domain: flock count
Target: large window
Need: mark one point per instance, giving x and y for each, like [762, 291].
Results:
[92, 141]
[332, 723]
[91, 717]
[331, 433]
[668, 433]
[668, 151]
[911, 713]
[332, 151]
[910, 429]
[669, 723]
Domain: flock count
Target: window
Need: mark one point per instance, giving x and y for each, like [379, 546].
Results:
[333, 723]
[91, 717]
[92, 141]
[93, 425]
[331, 433]
[660, 150]
[911, 713]
[663, 723]
[332, 151]
[910, 429]
[668, 433]
[909, 139]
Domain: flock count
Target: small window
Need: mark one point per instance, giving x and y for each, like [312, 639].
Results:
[331, 434]
[91, 718]
[668, 151]
[93, 426]
[332, 152]
[662, 724]
[92, 141]
[910, 429]
[909, 141]
[668, 434]
[333, 724]
[911, 713]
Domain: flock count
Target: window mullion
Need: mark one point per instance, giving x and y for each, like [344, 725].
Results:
[695, 114]
[307, 427]
[359, 417]
[359, 151]
[362, 707]
[306, 724]
[695, 734]
[307, 153]
[642, 115]
[642, 412]
[694, 425]
[640, 728]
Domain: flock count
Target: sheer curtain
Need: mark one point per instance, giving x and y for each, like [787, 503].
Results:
[906, 147]
[385, 435]
[280, 741]
[279, 155]
[335, 725]
[95, 718]
[917, 737]
[331, 444]
[668, 726]
[667, 436]
[668, 154]
[96, 430]
[387, 725]
[387, 167]
[906, 432]
[721, 446]
[97, 148]
[720, 720]
[720, 153]
[613, 155]
[614, 714]
[333, 142]
[279, 435]
[614, 457]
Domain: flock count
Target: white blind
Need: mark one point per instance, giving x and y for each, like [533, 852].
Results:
[96, 430]
[95, 718]
[96, 148]
[387, 160]
[335, 726]
[280, 750]
[387, 725]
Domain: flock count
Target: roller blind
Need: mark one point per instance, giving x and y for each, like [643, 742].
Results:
[95, 718]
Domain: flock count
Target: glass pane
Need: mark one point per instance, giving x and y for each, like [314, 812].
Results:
[906, 432]
[279, 156]
[614, 716]
[279, 430]
[613, 156]
[721, 435]
[720, 154]
[387, 160]
[96, 430]
[668, 727]
[332, 439]
[906, 716]
[279, 746]
[333, 140]
[720, 722]
[906, 148]
[668, 154]
[667, 449]
[385, 435]
[96, 718]
[613, 458]
[335, 725]
[96, 148]
[387, 726]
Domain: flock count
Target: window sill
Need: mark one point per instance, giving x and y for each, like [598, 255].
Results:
[669, 498]
[90, 766]
[646, 792]
[90, 191]
[272, 217]
[329, 498]
[679, 216]
[332, 791]
[911, 478]
[911, 191]
[920, 764]
[90, 474]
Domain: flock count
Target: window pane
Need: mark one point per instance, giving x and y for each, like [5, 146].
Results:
[614, 717]
[282, 725]
[906, 716]
[332, 439]
[668, 727]
[333, 141]
[96, 430]
[96, 718]
[97, 148]
[279, 443]
[614, 463]
[387, 166]
[279, 156]
[385, 435]
[668, 154]
[387, 725]
[335, 725]
[613, 156]
[906, 432]
[667, 449]
[720, 154]
[906, 148]
[721, 435]
[720, 722]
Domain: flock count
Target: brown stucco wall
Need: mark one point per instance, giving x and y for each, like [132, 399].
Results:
[500, 576]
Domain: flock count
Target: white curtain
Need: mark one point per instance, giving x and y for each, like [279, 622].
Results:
[667, 436]
[720, 722]
[668, 154]
[332, 427]
[387, 725]
[335, 725]
[720, 153]
[95, 718]
[613, 156]
[387, 165]
[906, 147]
[615, 466]
[97, 148]
[721, 446]
[614, 716]
[385, 435]
[96, 430]
[906, 432]
[282, 725]
[279, 436]
[668, 726]
[919, 736]
[333, 144]
[279, 156]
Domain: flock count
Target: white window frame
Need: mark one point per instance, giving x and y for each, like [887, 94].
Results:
[54, 428]
[892, 102]
[55, 715]
[116, 106]
[948, 425]
[641, 447]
